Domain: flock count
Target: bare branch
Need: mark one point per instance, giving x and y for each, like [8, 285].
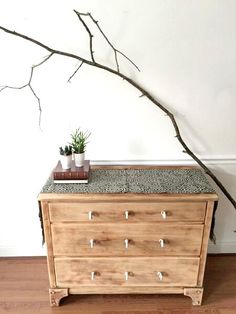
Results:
[2, 88]
[107, 40]
[143, 92]
[39, 104]
[73, 74]
[13, 87]
[128, 59]
[111, 45]
[45, 60]
[29, 84]
[90, 34]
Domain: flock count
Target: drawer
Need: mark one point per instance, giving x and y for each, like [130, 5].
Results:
[74, 239]
[174, 272]
[127, 212]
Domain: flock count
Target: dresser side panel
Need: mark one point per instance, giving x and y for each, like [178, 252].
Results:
[49, 244]
[205, 240]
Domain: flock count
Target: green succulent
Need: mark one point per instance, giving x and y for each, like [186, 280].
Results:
[66, 150]
[79, 141]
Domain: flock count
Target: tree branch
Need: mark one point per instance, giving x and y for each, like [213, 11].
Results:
[30, 86]
[73, 74]
[135, 85]
[90, 34]
[106, 38]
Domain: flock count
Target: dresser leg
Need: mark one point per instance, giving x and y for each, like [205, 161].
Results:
[55, 295]
[195, 294]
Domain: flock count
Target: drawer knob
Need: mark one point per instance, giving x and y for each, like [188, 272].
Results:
[126, 275]
[163, 214]
[126, 214]
[91, 242]
[126, 243]
[93, 274]
[162, 242]
[160, 275]
[90, 215]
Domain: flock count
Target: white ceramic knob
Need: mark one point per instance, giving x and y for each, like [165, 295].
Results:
[162, 242]
[93, 275]
[90, 215]
[126, 214]
[91, 242]
[126, 275]
[163, 214]
[126, 243]
[160, 275]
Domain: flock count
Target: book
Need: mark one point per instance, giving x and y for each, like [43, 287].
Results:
[75, 174]
[71, 181]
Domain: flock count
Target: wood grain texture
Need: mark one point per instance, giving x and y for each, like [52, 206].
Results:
[24, 290]
[132, 197]
[143, 239]
[175, 272]
[137, 212]
[206, 234]
[48, 238]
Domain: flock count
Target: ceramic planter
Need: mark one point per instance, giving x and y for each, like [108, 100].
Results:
[66, 161]
[79, 159]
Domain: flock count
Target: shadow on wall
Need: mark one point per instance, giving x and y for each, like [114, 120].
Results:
[226, 214]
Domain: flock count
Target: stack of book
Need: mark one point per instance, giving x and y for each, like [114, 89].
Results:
[72, 175]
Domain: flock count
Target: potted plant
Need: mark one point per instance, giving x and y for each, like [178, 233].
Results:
[66, 156]
[79, 140]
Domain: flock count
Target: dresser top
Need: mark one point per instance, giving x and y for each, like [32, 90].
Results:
[153, 181]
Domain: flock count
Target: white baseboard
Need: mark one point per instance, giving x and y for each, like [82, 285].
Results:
[8, 251]
[222, 247]
[213, 160]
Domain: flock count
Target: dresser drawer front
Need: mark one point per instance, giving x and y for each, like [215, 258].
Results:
[127, 212]
[73, 272]
[74, 239]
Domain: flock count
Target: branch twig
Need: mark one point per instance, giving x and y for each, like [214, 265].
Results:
[139, 88]
[73, 74]
[90, 34]
[30, 85]
[106, 38]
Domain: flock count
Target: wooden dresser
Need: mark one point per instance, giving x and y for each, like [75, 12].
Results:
[130, 230]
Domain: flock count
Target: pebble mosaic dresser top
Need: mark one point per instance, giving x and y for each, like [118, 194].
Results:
[129, 230]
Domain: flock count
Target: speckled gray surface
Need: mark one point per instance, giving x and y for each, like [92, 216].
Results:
[136, 181]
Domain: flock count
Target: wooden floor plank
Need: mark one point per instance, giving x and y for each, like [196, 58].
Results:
[24, 290]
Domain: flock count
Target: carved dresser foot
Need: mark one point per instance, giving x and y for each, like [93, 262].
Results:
[56, 295]
[195, 294]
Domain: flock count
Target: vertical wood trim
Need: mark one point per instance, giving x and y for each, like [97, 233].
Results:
[205, 238]
[48, 237]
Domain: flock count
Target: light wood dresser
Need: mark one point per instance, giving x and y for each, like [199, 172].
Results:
[129, 230]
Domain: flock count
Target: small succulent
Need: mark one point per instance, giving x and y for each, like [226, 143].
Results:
[79, 141]
[66, 150]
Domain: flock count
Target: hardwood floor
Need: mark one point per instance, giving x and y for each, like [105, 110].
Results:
[24, 290]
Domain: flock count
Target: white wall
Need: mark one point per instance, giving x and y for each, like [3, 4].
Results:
[186, 52]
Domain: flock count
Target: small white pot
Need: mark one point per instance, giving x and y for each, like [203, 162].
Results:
[79, 159]
[66, 161]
